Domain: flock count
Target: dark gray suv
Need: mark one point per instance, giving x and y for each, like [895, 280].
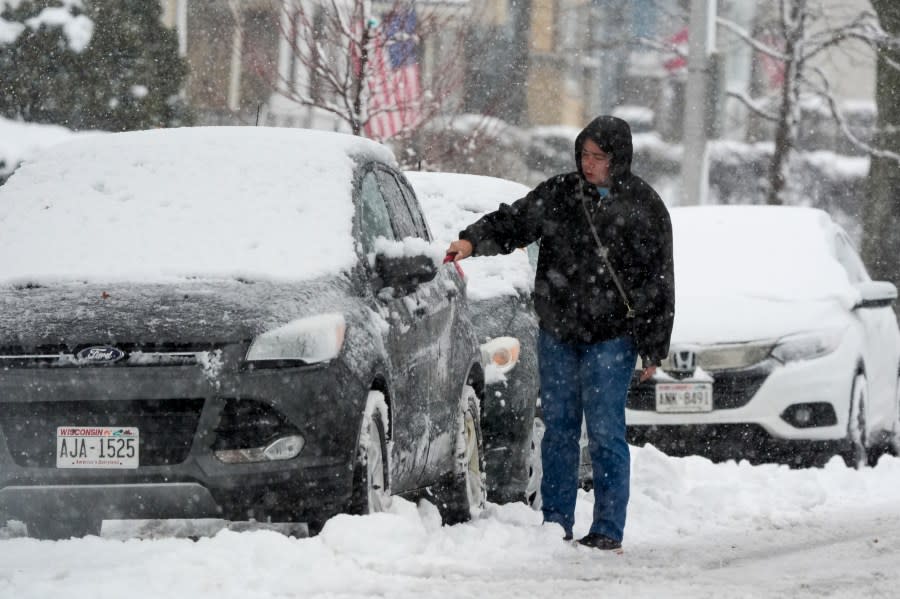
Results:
[236, 323]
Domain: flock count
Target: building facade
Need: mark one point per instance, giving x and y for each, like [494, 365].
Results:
[526, 62]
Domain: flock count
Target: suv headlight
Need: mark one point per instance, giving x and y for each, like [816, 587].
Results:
[807, 346]
[308, 340]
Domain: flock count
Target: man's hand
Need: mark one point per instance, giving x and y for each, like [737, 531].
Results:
[460, 249]
[647, 372]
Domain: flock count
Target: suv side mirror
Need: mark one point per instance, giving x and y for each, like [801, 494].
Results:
[403, 273]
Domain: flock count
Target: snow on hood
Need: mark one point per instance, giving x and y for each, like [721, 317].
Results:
[720, 319]
[21, 141]
[755, 272]
[201, 311]
[453, 201]
[207, 202]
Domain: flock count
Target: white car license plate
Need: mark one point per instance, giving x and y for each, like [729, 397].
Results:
[97, 447]
[684, 397]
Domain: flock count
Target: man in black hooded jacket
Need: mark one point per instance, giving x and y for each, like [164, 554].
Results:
[596, 314]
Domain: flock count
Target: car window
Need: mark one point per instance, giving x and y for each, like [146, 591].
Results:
[375, 220]
[850, 260]
[403, 221]
[415, 209]
[533, 249]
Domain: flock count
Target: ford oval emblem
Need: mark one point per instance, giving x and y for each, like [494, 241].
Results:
[100, 354]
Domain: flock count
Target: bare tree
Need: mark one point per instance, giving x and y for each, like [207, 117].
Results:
[338, 60]
[881, 241]
[797, 35]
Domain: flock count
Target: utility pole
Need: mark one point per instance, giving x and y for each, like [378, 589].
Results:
[517, 98]
[237, 43]
[695, 160]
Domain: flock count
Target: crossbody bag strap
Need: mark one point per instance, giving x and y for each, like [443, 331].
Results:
[604, 254]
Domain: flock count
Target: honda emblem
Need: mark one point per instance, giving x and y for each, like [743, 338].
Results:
[684, 360]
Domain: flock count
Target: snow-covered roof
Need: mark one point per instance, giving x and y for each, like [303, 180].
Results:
[453, 201]
[219, 202]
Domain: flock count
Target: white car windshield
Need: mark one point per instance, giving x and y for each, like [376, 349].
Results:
[774, 253]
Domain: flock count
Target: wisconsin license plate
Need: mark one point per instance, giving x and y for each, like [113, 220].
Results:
[97, 447]
[684, 397]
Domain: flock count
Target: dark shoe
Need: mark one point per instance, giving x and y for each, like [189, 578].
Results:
[598, 541]
[568, 536]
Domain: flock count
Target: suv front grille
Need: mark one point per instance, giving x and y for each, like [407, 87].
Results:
[144, 354]
[731, 388]
[166, 427]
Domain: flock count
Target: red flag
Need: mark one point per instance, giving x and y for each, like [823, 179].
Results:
[772, 68]
[679, 43]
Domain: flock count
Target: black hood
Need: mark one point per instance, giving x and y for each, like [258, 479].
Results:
[613, 135]
[190, 312]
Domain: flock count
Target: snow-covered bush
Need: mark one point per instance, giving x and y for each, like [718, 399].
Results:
[90, 64]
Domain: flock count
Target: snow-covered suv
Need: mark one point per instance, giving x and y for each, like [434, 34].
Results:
[234, 323]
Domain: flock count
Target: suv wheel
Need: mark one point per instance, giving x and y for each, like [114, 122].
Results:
[463, 493]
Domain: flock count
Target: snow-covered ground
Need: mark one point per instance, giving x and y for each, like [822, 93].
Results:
[696, 529]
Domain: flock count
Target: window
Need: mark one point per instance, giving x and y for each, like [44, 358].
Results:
[403, 220]
[375, 220]
[415, 209]
[850, 260]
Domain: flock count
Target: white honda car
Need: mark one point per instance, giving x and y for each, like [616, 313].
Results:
[783, 347]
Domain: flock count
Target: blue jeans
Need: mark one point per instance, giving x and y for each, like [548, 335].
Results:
[588, 379]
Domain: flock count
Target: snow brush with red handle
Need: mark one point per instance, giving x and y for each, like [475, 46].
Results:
[452, 258]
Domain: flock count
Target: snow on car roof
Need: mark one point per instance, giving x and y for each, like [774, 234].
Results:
[453, 201]
[207, 202]
[775, 252]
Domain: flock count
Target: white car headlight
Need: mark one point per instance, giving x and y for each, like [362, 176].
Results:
[309, 340]
[807, 346]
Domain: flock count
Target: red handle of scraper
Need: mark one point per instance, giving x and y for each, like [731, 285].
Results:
[450, 258]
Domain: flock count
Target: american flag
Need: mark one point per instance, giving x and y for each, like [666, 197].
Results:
[394, 88]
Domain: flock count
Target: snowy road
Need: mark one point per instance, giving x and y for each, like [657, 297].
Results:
[848, 555]
[696, 529]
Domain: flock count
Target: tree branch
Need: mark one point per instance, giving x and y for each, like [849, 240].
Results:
[863, 28]
[745, 35]
[824, 91]
[751, 105]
